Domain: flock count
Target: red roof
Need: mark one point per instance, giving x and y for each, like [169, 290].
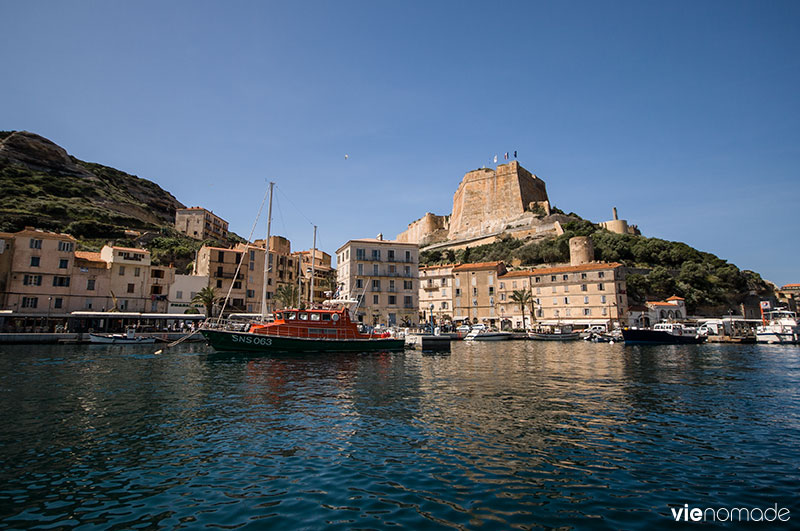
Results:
[131, 249]
[676, 298]
[480, 266]
[791, 286]
[516, 274]
[563, 269]
[88, 256]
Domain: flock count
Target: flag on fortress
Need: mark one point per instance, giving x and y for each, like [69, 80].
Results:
[495, 159]
[506, 155]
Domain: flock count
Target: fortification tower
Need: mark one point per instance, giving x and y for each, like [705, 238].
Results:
[581, 250]
[487, 198]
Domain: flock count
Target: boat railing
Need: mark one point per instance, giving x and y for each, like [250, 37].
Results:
[321, 331]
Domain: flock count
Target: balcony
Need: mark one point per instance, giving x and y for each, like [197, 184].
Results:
[428, 287]
[228, 275]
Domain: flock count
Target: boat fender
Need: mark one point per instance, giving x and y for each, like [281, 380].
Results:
[335, 317]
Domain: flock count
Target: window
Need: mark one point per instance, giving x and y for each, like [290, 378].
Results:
[392, 269]
[586, 300]
[137, 271]
[65, 246]
[474, 292]
[601, 287]
[605, 311]
[251, 293]
[565, 277]
[603, 299]
[474, 302]
[390, 255]
[361, 254]
[219, 283]
[63, 263]
[538, 291]
[88, 304]
[32, 280]
[237, 284]
[583, 276]
[121, 271]
[408, 271]
[61, 282]
[566, 288]
[555, 301]
[552, 278]
[568, 312]
[34, 261]
[587, 311]
[220, 256]
[601, 274]
[30, 302]
[458, 292]
[538, 279]
[157, 273]
[130, 288]
[252, 265]
[392, 299]
[359, 283]
[491, 290]
[35, 244]
[566, 300]
[407, 284]
[376, 254]
[408, 256]
[90, 285]
[514, 284]
[252, 255]
[583, 287]
[375, 269]
[554, 289]
[375, 299]
[179, 294]
[360, 269]
[58, 302]
[391, 285]
[444, 305]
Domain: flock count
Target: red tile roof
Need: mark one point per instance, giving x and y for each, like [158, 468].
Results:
[89, 256]
[563, 269]
[480, 266]
[676, 298]
[131, 249]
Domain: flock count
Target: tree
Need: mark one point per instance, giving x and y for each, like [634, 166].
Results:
[523, 298]
[207, 297]
[286, 294]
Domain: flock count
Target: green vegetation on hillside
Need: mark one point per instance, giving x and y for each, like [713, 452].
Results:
[670, 268]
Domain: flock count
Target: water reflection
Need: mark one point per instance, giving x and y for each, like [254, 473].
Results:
[516, 434]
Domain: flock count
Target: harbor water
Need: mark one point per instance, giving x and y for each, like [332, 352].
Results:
[502, 435]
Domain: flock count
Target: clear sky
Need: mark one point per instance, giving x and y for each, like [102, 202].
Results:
[684, 115]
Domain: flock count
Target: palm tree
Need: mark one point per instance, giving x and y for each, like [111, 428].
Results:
[286, 294]
[523, 298]
[207, 297]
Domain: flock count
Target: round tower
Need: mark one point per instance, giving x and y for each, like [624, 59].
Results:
[581, 250]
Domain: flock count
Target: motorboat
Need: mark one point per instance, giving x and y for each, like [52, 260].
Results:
[128, 338]
[779, 326]
[663, 334]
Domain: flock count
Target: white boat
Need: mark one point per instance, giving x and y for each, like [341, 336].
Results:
[556, 333]
[779, 326]
[487, 335]
[128, 338]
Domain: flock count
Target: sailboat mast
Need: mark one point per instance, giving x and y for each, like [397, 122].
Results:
[266, 257]
[313, 262]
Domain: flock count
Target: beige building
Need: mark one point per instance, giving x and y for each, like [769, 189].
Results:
[436, 292]
[159, 281]
[475, 291]
[384, 276]
[200, 224]
[6, 254]
[40, 272]
[182, 291]
[130, 270]
[220, 266]
[510, 312]
[91, 283]
[324, 273]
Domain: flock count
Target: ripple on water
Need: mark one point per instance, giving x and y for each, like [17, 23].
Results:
[520, 435]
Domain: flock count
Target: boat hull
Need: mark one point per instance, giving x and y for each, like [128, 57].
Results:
[783, 338]
[225, 340]
[490, 336]
[634, 336]
[112, 340]
[554, 337]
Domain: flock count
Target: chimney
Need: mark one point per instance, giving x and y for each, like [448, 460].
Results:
[380, 236]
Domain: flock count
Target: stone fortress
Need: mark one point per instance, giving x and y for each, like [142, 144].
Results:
[489, 204]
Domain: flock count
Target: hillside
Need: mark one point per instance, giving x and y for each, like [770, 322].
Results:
[709, 284]
[43, 186]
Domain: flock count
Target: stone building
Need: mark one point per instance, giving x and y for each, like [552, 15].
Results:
[324, 274]
[383, 275]
[475, 292]
[486, 203]
[619, 226]
[672, 309]
[200, 224]
[91, 283]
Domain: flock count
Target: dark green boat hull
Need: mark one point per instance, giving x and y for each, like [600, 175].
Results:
[247, 342]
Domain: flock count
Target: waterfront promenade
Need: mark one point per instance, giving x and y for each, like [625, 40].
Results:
[518, 434]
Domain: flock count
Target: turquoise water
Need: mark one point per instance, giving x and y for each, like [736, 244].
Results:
[492, 436]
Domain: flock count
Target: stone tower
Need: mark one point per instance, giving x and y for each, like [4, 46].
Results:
[487, 198]
[581, 250]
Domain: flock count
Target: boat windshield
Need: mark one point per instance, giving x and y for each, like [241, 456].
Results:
[291, 316]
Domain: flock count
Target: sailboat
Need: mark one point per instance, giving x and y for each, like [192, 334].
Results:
[329, 329]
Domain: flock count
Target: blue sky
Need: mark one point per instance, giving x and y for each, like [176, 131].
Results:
[683, 115]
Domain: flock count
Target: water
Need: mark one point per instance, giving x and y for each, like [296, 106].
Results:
[492, 436]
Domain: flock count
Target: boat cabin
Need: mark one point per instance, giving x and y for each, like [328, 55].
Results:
[313, 324]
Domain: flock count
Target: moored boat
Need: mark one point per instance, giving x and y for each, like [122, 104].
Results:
[558, 333]
[779, 326]
[328, 329]
[663, 334]
[128, 338]
[488, 335]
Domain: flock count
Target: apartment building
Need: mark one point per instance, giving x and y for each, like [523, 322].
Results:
[585, 294]
[6, 254]
[158, 283]
[130, 270]
[40, 271]
[225, 274]
[436, 292]
[324, 273]
[475, 292]
[200, 224]
[510, 312]
[182, 291]
[91, 283]
[384, 276]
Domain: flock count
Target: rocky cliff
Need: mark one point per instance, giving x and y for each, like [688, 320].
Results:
[41, 185]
